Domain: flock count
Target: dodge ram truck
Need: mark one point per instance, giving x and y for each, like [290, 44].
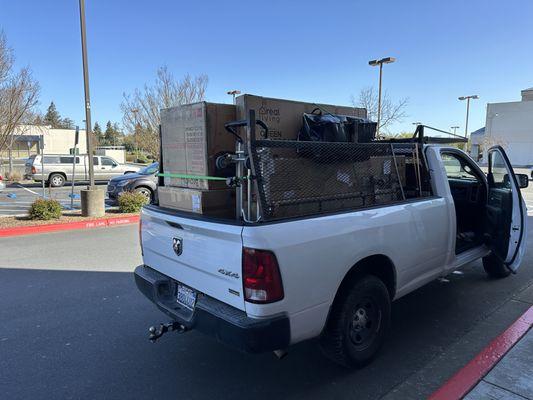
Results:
[262, 286]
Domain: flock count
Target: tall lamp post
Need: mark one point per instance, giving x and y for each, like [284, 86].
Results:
[234, 93]
[92, 199]
[467, 98]
[375, 63]
[454, 129]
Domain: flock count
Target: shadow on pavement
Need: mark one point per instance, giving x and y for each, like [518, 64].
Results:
[83, 334]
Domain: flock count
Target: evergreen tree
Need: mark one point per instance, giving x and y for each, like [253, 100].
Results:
[66, 123]
[110, 134]
[52, 117]
[97, 134]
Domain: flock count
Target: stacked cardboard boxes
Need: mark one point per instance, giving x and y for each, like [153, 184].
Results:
[193, 136]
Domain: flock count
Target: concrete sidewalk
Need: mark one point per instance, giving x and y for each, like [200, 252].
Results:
[512, 377]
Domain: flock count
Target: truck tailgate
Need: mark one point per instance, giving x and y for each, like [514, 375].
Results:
[210, 259]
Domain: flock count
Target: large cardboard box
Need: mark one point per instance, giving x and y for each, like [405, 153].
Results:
[192, 137]
[284, 117]
[219, 203]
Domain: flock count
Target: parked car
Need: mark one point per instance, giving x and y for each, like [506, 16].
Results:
[144, 181]
[2, 183]
[58, 168]
[262, 286]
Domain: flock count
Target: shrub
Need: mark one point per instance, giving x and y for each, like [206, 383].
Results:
[131, 202]
[45, 209]
[142, 160]
[14, 176]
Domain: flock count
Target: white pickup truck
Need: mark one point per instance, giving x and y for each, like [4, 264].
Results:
[263, 286]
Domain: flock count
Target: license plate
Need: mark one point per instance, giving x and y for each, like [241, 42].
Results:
[186, 296]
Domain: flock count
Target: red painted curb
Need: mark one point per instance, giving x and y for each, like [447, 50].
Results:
[468, 376]
[68, 226]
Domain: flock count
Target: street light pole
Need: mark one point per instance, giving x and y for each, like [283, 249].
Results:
[234, 93]
[374, 63]
[92, 198]
[454, 129]
[467, 98]
[88, 126]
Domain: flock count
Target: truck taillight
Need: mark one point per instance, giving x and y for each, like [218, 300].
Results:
[33, 170]
[261, 276]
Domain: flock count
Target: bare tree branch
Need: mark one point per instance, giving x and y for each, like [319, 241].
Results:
[19, 94]
[141, 109]
[390, 112]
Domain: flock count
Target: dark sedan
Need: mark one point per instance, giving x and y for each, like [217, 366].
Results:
[144, 182]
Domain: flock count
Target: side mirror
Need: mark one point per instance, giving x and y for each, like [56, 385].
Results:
[523, 180]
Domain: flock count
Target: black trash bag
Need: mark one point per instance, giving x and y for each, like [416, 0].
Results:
[326, 128]
[322, 137]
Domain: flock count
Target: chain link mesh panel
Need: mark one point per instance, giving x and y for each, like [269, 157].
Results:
[297, 178]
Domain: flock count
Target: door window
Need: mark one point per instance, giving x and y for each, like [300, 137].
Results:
[498, 169]
[457, 168]
[68, 160]
[108, 162]
[95, 160]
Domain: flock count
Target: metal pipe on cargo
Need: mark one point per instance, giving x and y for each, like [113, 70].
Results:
[238, 172]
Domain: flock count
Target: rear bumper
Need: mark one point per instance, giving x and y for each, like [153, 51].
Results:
[227, 324]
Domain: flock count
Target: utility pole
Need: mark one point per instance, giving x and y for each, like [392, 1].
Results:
[374, 63]
[92, 199]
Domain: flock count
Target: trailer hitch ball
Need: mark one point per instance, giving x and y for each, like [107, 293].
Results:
[156, 333]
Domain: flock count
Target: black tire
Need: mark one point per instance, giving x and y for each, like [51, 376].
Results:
[357, 323]
[146, 192]
[56, 180]
[494, 267]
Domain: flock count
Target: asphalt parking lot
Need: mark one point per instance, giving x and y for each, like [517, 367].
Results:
[74, 326]
[16, 198]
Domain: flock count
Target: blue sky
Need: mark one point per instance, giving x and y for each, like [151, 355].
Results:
[305, 50]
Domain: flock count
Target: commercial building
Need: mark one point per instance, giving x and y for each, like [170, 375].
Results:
[510, 125]
[29, 139]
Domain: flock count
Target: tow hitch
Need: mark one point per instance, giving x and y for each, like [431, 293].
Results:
[156, 333]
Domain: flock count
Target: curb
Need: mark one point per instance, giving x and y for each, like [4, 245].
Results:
[68, 226]
[467, 377]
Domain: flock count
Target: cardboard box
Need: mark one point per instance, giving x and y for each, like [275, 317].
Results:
[192, 137]
[220, 203]
[384, 165]
[284, 117]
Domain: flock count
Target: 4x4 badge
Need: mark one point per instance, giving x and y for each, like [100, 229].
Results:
[177, 245]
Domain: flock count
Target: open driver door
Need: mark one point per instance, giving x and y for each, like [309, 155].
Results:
[506, 210]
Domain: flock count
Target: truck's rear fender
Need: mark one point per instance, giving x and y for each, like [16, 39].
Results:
[378, 265]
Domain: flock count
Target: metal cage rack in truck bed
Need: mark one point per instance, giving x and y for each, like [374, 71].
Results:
[283, 179]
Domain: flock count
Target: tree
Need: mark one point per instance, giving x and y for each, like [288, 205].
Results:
[98, 137]
[52, 116]
[141, 109]
[66, 123]
[111, 134]
[19, 95]
[390, 112]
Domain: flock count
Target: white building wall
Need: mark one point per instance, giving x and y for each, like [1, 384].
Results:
[511, 126]
[60, 141]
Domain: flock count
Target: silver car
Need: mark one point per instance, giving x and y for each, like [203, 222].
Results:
[56, 169]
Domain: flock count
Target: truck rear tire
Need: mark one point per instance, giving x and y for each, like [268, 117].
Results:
[494, 267]
[56, 180]
[357, 323]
